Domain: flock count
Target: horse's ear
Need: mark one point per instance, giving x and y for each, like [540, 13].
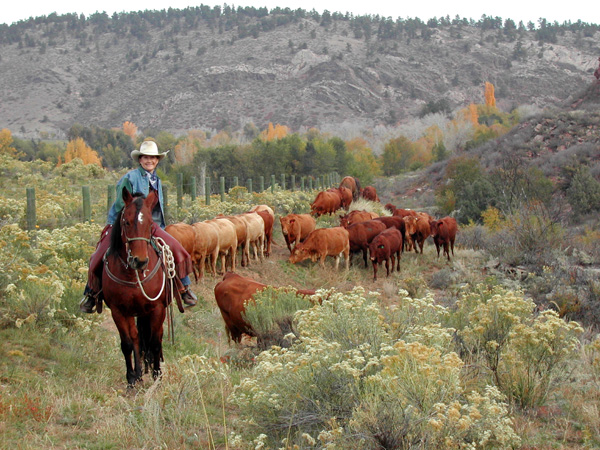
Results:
[152, 199]
[127, 197]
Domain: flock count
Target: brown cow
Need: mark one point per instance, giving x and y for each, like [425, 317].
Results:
[370, 193]
[385, 246]
[444, 234]
[295, 228]
[361, 234]
[231, 295]
[207, 247]
[321, 243]
[266, 212]
[417, 230]
[326, 202]
[353, 184]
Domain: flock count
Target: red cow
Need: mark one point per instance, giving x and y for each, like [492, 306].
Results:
[391, 208]
[444, 234]
[321, 243]
[231, 295]
[393, 221]
[355, 217]
[345, 195]
[417, 230]
[370, 193]
[361, 234]
[385, 246]
[404, 212]
[325, 203]
[353, 184]
[295, 228]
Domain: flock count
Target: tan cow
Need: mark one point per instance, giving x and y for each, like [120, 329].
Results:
[266, 212]
[206, 250]
[256, 233]
[227, 242]
[186, 236]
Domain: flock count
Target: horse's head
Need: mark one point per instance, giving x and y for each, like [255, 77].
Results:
[135, 223]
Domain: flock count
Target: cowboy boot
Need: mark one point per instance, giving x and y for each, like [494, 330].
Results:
[188, 297]
[88, 302]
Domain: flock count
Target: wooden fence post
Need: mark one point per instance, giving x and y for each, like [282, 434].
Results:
[87, 206]
[207, 191]
[249, 185]
[235, 182]
[302, 183]
[310, 183]
[165, 190]
[179, 190]
[110, 196]
[193, 189]
[272, 184]
[262, 183]
[283, 181]
[222, 188]
[30, 211]
[293, 183]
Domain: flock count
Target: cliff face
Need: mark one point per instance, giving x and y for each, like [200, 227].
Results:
[300, 74]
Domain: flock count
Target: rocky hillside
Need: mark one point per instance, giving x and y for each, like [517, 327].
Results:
[211, 70]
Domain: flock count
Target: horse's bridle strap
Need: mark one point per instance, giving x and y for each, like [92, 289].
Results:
[125, 282]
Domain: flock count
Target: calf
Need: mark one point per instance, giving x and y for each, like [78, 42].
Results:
[385, 246]
[296, 227]
[321, 243]
[417, 230]
[444, 234]
[361, 234]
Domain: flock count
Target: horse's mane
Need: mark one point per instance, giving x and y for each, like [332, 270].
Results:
[116, 243]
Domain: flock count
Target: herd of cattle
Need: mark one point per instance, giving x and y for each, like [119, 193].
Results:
[380, 239]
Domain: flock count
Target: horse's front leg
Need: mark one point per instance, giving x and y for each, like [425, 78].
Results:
[156, 337]
[129, 343]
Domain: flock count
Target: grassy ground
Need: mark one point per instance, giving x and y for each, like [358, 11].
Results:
[67, 390]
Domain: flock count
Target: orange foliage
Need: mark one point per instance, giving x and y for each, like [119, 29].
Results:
[6, 141]
[185, 148]
[274, 132]
[77, 148]
[130, 129]
[490, 99]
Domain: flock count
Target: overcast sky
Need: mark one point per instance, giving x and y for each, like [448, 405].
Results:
[560, 11]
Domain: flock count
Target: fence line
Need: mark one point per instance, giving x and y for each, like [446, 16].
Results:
[307, 183]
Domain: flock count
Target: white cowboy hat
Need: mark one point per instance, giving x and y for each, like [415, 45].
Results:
[148, 148]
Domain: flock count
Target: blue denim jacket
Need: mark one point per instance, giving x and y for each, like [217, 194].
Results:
[136, 181]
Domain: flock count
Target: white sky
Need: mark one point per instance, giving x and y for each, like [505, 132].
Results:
[525, 10]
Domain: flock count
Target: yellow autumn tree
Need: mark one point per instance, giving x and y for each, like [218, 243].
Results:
[490, 99]
[130, 129]
[364, 165]
[274, 132]
[77, 148]
[6, 141]
[185, 148]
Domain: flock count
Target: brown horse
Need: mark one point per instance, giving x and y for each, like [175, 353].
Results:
[135, 284]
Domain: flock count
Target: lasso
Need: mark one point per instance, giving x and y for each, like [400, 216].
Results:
[168, 262]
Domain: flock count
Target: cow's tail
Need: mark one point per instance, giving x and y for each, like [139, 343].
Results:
[357, 192]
